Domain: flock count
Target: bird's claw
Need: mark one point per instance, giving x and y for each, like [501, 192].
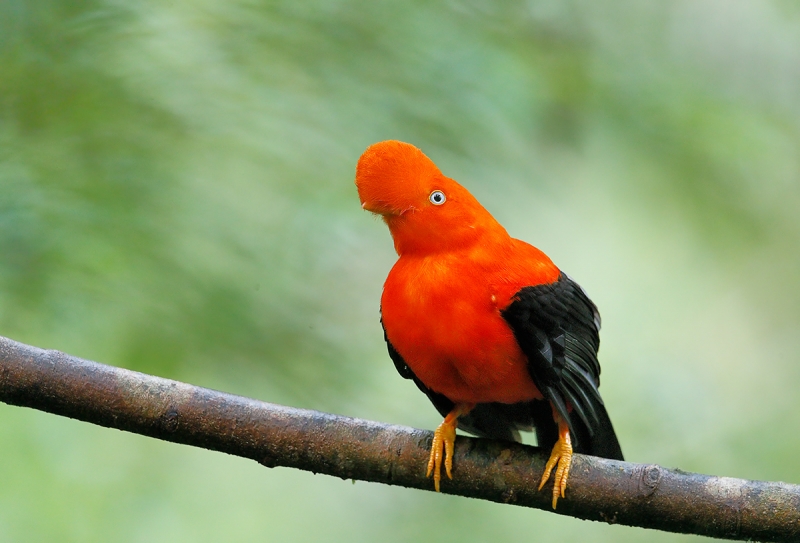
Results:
[444, 439]
[561, 457]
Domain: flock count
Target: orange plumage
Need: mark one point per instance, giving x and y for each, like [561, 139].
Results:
[449, 313]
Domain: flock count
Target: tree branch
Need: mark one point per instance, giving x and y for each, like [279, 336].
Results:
[648, 496]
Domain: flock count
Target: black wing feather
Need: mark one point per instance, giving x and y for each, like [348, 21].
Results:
[558, 328]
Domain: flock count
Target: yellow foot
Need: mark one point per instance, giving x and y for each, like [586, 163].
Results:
[561, 456]
[444, 442]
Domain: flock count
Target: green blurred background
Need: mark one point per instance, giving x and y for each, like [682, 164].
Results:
[176, 197]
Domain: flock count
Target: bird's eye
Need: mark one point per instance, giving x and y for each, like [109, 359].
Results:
[437, 197]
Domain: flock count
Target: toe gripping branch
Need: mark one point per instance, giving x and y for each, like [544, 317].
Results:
[561, 456]
[444, 441]
[443, 446]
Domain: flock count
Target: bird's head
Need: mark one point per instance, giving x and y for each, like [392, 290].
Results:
[426, 212]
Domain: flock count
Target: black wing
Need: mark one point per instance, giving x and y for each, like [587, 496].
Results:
[558, 328]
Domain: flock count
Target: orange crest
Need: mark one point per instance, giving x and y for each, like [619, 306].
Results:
[426, 212]
[391, 177]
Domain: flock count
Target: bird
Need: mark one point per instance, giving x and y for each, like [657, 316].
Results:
[495, 335]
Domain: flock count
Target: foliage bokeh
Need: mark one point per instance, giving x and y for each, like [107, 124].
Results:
[176, 197]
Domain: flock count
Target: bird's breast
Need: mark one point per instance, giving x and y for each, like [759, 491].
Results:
[444, 321]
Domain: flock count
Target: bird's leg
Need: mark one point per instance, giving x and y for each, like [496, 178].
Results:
[444, 441]
[561, 456]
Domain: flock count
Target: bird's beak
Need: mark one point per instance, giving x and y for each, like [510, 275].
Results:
[378, 207]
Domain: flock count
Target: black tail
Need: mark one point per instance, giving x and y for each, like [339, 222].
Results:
[503, 421]
[601, 440]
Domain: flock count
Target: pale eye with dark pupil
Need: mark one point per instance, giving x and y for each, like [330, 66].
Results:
[437, 197]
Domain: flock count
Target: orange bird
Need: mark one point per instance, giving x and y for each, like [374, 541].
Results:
[497, 337]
